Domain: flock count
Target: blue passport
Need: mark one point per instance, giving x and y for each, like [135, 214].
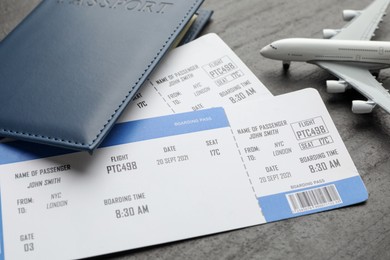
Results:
[71, 67]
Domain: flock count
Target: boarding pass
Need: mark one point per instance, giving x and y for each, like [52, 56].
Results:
[174, 177]
[201, 74]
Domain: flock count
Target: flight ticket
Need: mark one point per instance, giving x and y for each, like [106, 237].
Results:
[163, 175]
[174, 177]
[201, 74]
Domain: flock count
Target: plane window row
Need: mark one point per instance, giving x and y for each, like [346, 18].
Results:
[348, 49]
[340, 57]
[273, 47]
[374, 58]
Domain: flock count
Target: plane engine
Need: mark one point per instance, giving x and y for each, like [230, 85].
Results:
[329, 33]
[362, 107]
[348, 15]
[334, 86]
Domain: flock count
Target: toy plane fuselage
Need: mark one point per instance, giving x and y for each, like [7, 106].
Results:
[347, 53]
[306, 50]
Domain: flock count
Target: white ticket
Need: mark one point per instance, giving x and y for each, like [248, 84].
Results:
[202, 74]
[174, 177]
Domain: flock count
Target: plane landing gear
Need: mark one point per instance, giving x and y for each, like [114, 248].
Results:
[286, 65]
[375, 73]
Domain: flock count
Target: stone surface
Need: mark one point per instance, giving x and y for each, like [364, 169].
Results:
[357, 232]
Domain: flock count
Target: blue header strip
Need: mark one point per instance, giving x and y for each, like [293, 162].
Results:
[158, 127]
[122, 133]
[276, 207]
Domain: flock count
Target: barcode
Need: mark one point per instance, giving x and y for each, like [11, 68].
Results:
[314, 199]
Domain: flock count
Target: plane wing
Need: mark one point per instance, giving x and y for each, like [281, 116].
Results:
[363, 26]
[361, 79]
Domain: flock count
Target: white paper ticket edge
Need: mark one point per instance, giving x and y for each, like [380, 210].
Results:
[196, 177]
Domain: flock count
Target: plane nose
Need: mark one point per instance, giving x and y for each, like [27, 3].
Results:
[265, 51]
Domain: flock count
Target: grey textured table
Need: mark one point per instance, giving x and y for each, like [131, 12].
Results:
[357, 232]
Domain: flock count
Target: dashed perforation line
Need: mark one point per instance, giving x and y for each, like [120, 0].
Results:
[166, 102]
[244, 164]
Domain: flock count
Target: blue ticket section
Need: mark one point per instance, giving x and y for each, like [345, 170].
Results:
[158, 127]
[128, 132]
[314, 199]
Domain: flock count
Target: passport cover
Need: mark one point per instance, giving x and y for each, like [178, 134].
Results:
[70, 68]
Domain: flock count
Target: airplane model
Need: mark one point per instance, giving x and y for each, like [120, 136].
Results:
[346, 53]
